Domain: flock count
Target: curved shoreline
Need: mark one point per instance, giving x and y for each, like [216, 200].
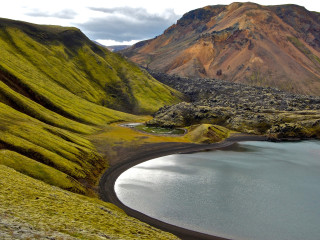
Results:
[107, 182]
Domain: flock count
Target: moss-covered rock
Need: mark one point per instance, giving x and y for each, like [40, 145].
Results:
[207, 133]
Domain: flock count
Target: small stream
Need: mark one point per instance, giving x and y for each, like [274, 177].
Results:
[155, 130]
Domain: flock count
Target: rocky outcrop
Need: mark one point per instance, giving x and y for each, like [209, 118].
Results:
[243, 108]
[217, 93]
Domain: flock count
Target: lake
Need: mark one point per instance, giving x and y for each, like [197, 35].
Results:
[251, 190]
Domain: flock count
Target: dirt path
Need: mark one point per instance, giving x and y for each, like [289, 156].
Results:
[150, 151]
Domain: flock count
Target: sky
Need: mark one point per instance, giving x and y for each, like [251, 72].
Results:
[117, 22]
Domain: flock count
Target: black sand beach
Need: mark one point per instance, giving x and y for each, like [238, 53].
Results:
[147, 152]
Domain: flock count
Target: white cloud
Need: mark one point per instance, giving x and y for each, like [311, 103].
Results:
[55, 12]
[110, 42]
[64, 14]
[127, 23]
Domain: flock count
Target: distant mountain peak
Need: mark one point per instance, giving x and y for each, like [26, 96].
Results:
[275, 46]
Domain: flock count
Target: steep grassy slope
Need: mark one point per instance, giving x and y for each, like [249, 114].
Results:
[271, 46]
[54, 155]
[51, 61]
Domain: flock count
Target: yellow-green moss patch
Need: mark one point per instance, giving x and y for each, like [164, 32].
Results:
[207, 133]
[51, 211]
[39, 171]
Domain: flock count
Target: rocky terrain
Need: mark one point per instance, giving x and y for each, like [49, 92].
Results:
[258, 110]
[269, 46]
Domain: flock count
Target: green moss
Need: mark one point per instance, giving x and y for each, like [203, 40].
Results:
[299, 45]
[52, 95]
[52, 212]
[39, 171]
[207, 133]
[41, 154]
[316, 58]
[35, 110]
[262, 127]
[68, 152]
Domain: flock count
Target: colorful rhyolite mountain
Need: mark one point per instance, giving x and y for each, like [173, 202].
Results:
[276, 46]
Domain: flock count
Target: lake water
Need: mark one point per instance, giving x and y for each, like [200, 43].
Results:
[252, 190]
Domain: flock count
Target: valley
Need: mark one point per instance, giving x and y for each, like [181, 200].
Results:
[220, 75]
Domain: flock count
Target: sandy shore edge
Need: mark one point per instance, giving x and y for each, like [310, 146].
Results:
[107, 182]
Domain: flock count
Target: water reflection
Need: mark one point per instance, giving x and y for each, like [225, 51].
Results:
[174, 169]
[252, 190]
[236, 147]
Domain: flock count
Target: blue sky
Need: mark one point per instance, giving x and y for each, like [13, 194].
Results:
[117, 22]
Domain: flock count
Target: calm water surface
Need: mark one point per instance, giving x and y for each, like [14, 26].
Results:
[252, 190]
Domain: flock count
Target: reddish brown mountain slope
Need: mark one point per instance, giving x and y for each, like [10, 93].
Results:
[276, 46]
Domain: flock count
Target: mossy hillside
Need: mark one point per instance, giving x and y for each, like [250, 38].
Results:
[53, 92]
[85, 70]
[31, 209]
[39, 171]
[69, 153]
[199, 133]
[52, 96]
[130, 88]
[54, 89]
[35, 110]
[25, 139]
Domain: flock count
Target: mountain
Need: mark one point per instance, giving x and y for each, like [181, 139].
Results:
[277, 46]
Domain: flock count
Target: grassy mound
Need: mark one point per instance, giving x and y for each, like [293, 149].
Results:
[207, 133]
